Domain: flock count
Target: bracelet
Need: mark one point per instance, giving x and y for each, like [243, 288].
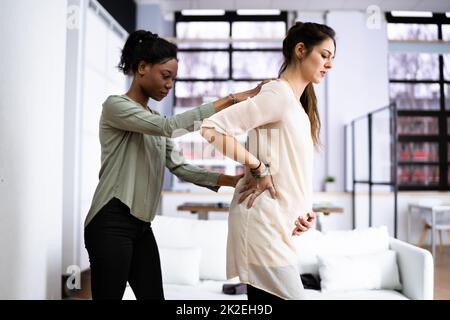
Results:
[259, 175]
[232, 96]
[259, 165]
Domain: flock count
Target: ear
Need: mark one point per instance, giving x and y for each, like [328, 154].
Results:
[142, 67]
[299, 50]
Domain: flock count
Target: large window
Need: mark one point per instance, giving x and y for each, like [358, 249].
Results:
[419, 76]
[218, 55]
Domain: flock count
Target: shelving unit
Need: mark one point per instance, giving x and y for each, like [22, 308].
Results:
[419, 77]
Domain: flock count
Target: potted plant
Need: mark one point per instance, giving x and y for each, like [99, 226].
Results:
[330, 184]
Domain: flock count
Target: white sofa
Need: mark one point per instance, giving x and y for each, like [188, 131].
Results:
[357, 264]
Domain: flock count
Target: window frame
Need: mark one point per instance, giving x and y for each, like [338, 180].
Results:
[443, 139]
[230, 17]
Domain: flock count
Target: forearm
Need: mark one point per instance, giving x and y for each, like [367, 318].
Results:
[198, 176]
[230, 147]
[223, 103]
[226, 181]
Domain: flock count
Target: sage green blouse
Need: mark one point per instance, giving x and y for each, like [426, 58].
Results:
[135, 149]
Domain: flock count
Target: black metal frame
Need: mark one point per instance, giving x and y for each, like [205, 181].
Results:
[230, 17]
[442, 114]
[393, 183]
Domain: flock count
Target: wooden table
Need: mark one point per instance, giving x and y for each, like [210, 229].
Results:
[203, 209]
[325, 209]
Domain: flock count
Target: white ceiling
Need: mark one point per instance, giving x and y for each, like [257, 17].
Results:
[302, 5]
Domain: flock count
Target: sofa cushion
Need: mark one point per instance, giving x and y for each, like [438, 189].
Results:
[180, 265]
[358, 272]
[308, 246]
[210, 236]
[359, 241]
[355, 295]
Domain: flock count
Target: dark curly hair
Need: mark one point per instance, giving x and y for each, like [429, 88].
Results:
[145, 46]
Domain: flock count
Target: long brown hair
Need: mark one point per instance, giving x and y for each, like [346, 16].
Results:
[311, 34]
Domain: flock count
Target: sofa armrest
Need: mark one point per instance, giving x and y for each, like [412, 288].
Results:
[416, 269]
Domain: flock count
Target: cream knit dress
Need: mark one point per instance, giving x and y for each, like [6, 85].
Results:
[260, 247]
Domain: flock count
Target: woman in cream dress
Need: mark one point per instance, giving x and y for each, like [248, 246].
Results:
[283, 125]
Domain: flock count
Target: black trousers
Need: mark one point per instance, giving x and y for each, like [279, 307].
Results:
[256, 294]
[122, 248]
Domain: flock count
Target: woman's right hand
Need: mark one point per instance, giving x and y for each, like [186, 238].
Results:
[253, 187]
[241, 96]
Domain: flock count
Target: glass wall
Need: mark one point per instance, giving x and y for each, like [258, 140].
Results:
[420, 86]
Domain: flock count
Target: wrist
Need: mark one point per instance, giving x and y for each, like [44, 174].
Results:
[255, 166]
[261, 171]
[233, 98]
[225, 180]
[241, 96]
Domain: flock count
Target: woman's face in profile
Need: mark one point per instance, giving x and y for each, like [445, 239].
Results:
[315, 66]
[159, 78]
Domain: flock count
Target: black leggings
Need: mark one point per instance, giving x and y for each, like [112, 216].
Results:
[256, 294]
[122, 248]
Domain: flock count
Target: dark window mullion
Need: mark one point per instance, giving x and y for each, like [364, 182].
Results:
[411, 81]
[229, 17]
[442, 114]
[443, 144]
[233, 49]
[218, 79]
[230, 52]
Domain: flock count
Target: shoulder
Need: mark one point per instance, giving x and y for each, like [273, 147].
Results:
[276, 86]
[118, 103]
[114, 99]
[275, 91]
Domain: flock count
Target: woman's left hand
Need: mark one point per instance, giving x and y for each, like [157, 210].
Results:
[303, 224]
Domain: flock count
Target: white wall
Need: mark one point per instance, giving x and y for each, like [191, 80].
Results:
[93, 55]
[358, 83]
[31, 147]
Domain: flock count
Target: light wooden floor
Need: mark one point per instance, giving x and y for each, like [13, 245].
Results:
[442, 273]
[441, 278]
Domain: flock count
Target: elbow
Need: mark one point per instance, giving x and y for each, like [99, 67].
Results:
[203, 132]
[208, 134]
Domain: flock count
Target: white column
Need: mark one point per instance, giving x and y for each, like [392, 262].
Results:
[33, 37]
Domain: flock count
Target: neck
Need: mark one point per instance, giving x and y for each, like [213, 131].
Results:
[135, 92]
[295, 79]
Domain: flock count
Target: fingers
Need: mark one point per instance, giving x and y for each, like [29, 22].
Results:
[296, 232]
[305, 222]
[311, 216]
[302, 225]
[273, 192]
[245, 194]
[253, 196]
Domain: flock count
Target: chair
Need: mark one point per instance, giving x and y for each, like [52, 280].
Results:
[442, 219]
